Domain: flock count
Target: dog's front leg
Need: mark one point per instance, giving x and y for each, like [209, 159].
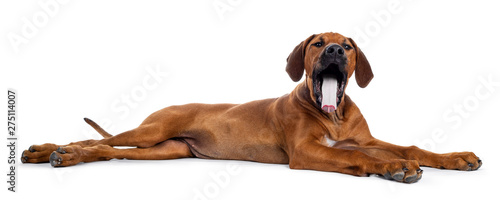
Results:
[466, 161]
[314, 156]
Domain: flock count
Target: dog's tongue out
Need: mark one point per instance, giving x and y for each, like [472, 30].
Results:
[329, 91]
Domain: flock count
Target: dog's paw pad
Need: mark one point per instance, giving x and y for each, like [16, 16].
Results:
[398, 176]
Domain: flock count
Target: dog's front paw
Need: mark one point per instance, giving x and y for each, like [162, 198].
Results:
[406, 171]
[38, 153]
[465, 161]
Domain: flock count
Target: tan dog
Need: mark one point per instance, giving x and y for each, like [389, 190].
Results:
[317, 126]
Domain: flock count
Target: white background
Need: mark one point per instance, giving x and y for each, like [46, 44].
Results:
[428, 58]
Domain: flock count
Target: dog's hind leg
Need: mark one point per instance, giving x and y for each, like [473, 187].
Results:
[41, 153]
[72, 155]
[146, 135]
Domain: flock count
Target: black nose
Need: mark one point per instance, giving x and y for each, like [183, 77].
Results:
[334, 49]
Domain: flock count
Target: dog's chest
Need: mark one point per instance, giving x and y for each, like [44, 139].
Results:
[327, 141]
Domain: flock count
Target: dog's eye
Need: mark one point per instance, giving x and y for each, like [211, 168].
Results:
[318, 44]
[347, 47]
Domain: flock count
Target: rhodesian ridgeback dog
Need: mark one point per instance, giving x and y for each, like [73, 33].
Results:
[317, 126]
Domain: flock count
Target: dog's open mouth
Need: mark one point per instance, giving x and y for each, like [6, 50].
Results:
[329, 86]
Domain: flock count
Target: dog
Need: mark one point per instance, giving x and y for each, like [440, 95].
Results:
[316, 127]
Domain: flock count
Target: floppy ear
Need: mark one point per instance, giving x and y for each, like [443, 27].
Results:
[363, 70]
[295, 61]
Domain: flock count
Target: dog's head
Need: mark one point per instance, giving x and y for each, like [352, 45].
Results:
[329, 60]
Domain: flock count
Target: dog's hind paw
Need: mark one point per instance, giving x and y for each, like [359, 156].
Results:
[65, 156]
[38, 153]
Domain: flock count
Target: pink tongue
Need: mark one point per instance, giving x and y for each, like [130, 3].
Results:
[329, 108]
[329, 91]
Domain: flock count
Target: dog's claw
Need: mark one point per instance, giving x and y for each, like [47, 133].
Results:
[24, 158]
[61, 150]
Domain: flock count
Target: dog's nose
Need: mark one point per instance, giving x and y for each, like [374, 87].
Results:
[334, 50]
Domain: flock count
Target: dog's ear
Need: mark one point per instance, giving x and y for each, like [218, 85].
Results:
[295, 61]
[363, 70]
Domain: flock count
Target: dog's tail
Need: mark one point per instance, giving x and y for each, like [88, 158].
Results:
[98, 128]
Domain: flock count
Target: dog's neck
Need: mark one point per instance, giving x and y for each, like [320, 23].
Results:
[303, 94]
